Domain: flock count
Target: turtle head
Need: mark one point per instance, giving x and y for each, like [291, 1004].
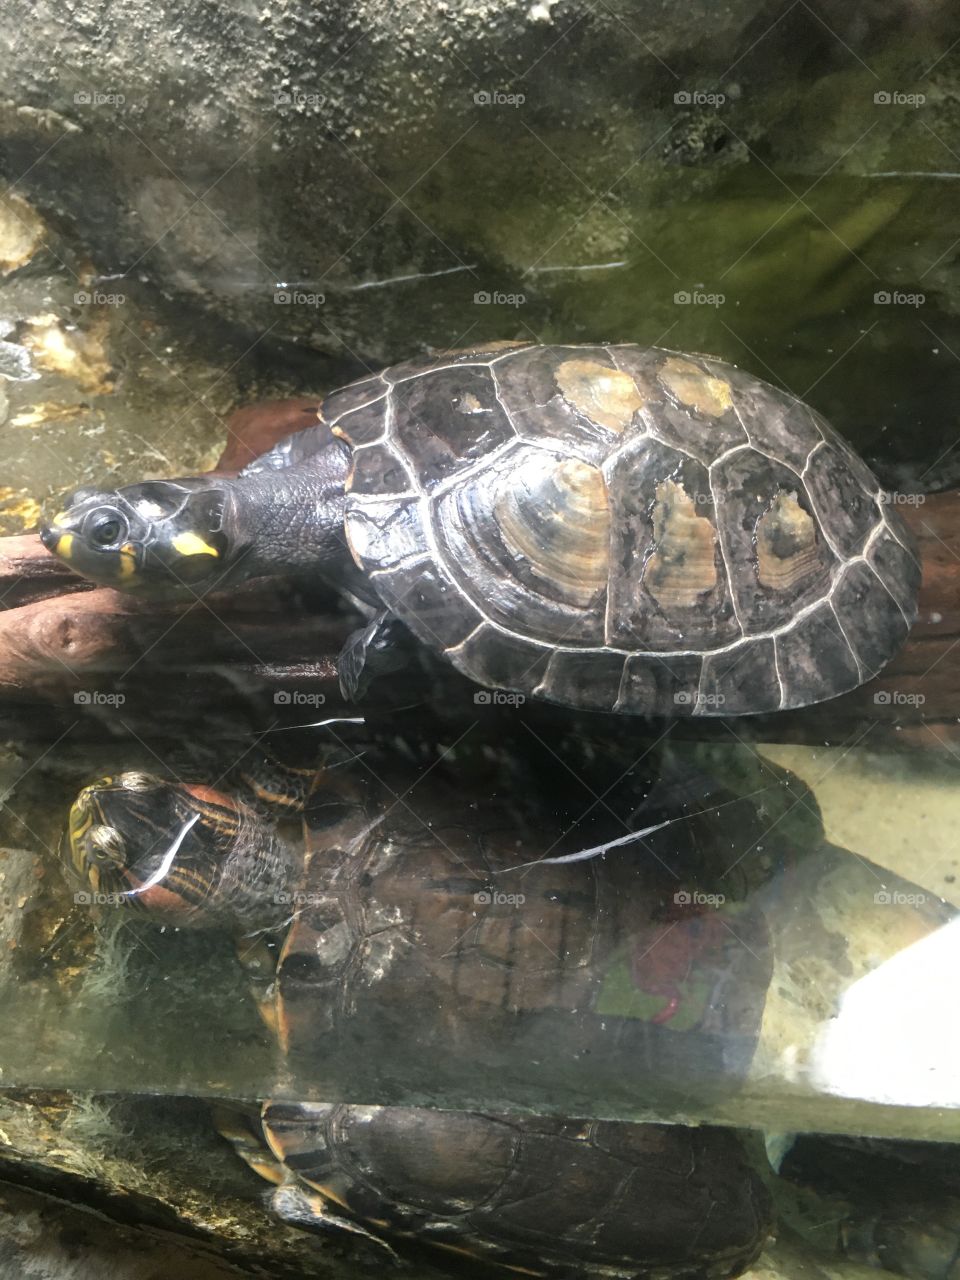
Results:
[155, 537]
[186, 854]
[135, 839]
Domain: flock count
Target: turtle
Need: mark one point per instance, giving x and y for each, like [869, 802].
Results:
[611, 528]
[405, 915]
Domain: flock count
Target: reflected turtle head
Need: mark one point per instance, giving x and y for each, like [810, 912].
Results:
[140, 840]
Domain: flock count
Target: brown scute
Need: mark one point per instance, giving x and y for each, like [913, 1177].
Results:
[557, 517]
[683, 566]
[788, 549]
[605, 396]
[696, 389]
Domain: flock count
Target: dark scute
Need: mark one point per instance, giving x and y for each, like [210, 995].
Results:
[428, 601]
[590, 680]
[660, 686]
[377, 469]
[871, 618]
[502, 662]
[384, 531]
[556, 1189]
[898, 565]
[441, 1161]
[636, 619]
[483, 354]
[444, 421]
[854, 463]
[847, 512]
[663, 1194]
[776, 422]
[362, 426]
[814, 660]
[350, 398]
[741, 681]
[750, 482]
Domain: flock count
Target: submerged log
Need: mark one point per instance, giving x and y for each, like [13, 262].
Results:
[263, 655]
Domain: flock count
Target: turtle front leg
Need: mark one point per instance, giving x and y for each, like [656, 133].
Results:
[377, 649]
[307, 1209]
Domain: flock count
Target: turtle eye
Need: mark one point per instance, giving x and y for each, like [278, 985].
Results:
[107, 844]
[106, 528]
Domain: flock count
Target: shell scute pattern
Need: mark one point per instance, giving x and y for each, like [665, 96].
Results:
[743, 679]
[686, 405]
[774, 422]
[669, 587]
[577, 509]
[475, 1183]
[748, 482]
[447, 421]
[848, 512]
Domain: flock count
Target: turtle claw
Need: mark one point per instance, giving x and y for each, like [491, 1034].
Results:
[371, 651]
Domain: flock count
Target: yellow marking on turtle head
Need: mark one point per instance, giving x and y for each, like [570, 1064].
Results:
[696, 389]
[606, 396]
[128, 560]
[191, 544]
[64, 545]
[61, 518]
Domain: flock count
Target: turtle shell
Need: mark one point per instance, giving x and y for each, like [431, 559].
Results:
[534, 1196]
[622, 528]
[423, 914]
[417, 926]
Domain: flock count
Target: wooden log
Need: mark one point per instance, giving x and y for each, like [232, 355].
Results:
[28, 573]
[246, 647]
